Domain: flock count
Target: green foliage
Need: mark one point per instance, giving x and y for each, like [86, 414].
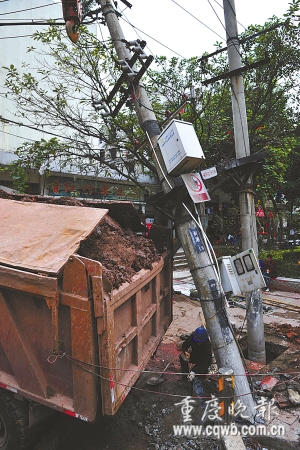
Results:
[60, 94]
[19, 176]
[34, 155]
[88, 5]
[287, 261]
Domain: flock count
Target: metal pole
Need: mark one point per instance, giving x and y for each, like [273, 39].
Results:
[255, 324]
[192, 239]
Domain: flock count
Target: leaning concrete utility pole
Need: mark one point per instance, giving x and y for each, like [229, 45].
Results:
[192, 238]
[255, 324]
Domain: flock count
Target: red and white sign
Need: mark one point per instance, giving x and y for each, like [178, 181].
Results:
[209, 173]
[260, 212]
[195, 187]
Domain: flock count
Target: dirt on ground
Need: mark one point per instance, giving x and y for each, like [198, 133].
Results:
[287, 331]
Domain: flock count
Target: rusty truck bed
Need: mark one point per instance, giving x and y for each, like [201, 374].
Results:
[67, 339]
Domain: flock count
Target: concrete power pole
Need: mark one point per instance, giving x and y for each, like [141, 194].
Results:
[255, 324]
[202, 267]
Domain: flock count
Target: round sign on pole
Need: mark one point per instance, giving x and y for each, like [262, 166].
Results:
[195, 187]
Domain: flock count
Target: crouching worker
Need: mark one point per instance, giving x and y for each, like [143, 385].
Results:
[196, 349]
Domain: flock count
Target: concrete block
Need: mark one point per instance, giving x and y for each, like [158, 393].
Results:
[232, 443]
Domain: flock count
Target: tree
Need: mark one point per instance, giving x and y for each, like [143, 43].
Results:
[88, 5]
[61, 97]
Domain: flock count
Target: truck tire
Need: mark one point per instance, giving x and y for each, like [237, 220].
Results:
[14, 420]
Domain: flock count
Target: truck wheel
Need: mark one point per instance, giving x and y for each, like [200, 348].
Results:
[14, 415]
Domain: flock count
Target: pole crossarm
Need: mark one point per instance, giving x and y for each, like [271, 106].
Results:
[238, 71]
[234, 163]
[128, 75]
[243, 40]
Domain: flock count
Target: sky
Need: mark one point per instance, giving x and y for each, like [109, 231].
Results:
[165, 21]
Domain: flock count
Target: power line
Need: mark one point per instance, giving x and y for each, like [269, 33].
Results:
[168, 48]
[216, 14]
[14, 37]
[41, 22]
[235, 46]
[162, 84]
[15, 19]
[246, 39]
[27, 9]
[234, 14]
[20, 124]
[196, 18]
[15, 135]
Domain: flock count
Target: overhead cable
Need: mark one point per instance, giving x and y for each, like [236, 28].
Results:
[27, 9]
[196, 18]
[133, 26]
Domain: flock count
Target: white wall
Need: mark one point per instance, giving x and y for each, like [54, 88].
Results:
[14, 43]
[13, 50]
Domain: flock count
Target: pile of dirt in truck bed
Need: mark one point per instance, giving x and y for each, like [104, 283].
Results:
[68, 201]
[121, 252]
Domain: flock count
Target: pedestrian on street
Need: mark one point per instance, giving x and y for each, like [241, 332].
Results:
[270, 270]
[230, 238]
[196, 349]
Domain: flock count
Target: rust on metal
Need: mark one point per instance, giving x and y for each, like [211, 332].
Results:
[28, 282]
[18, 351]
[83, 338]
[41, 236]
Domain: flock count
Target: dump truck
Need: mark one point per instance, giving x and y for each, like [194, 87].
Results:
[70, 342]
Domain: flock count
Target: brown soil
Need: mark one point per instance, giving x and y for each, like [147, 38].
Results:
[121, 252]
[69, 201]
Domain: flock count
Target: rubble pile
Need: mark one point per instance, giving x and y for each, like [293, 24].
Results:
[285, 390]
[286, 331]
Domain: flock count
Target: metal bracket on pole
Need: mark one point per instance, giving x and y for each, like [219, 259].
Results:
[129, 75]
[239, 167]
[238, 162]
[238, 71]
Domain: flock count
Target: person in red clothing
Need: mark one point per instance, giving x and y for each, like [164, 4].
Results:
[196, 349]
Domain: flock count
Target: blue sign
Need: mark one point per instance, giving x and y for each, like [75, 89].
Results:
[196, 239]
